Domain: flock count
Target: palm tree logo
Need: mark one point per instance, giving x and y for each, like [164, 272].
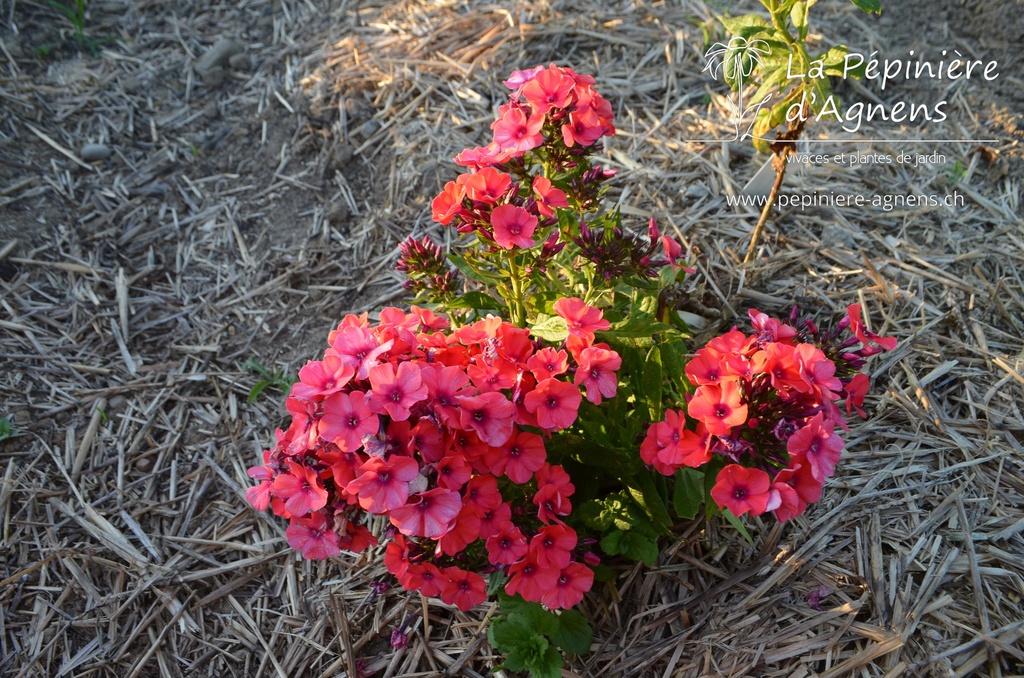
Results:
[736, 61]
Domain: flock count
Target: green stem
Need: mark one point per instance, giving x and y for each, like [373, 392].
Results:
[588, 297]
[797, 46]
[517, 307]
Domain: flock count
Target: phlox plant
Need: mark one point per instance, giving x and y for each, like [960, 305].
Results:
[540, 409]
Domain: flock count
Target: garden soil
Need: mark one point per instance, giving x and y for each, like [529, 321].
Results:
[259, 164]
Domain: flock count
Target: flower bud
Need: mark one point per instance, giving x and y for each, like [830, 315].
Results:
[652, 230]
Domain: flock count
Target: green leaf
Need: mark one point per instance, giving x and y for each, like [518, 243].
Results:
[643, 491]
[869, 6]
[585, 451]
[547, 665]
[6, 428]
[652, 383]
[523, 656]
[477, 301]
[550, 328]
[526, 614]
[777, 56]
[775, 77]
[505, 634]
[467, 270]
[568, 222]
[254, 365]
[603, 573]
[495, 582]
[256, 390]
[740, 24]
[533, 616]
[821, 90]
[738, 524]
[526, 649]
[762, 127]
[711, 470]
[858, 71]
[631, 329]
[672, 363]
[632, 367]
[593, 516]
[798, 16]
[574, 634]
[647, 307]
[834, 59]
[611, 542]
[640, 547]
[688, 494]
[742, 62]
[780, 110]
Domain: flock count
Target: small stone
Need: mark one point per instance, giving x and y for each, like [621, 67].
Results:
[240, 62]
[218, 56]
[117, 404]
[367, 129]
[211, 110]
[340, 156]
[354, 108]
[132, 84]
[214, 76]
[15, 48]
[7, 270]
[144, 464]
[94, 152]
[337, 213]
[696, 190]
[156, 189]
[838, 235]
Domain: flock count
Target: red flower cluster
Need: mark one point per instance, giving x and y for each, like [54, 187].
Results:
[442, 432]
[552, 107]
[767, 402]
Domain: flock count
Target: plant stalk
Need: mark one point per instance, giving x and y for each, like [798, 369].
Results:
[517, 308]
[779, 165]
[784, 145]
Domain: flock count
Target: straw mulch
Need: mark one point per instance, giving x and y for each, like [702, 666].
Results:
[241, 220]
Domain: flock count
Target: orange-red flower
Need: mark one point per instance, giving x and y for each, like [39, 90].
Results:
[555, 404]
[513, 227]
[719, 407]
[742, 489]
